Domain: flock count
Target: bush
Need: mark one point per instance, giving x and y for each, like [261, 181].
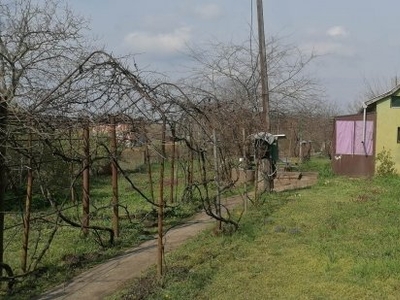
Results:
[385, 163]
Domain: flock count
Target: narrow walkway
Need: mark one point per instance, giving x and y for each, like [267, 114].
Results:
[106, 278]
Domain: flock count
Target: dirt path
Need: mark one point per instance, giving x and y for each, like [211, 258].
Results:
[106, 278]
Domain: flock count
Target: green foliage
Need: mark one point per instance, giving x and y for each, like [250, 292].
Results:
[317, 164]
[386, 164]
[326, 171]
[321, 165]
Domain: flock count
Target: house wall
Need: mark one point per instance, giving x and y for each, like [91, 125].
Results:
[388, 120]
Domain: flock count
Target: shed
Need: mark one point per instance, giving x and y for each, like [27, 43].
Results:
[359, 138]
[353, 145]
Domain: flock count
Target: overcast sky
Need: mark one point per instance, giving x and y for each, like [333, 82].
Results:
[357, 40]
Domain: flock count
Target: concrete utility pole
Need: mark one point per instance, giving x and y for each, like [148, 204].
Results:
[266, 163]
[263, 66]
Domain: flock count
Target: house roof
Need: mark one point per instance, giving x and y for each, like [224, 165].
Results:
[382, 96]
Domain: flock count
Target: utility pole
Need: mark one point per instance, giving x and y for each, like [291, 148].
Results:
[266, 163]
[263, 66]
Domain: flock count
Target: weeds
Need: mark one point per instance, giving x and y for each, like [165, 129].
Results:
[386, 164]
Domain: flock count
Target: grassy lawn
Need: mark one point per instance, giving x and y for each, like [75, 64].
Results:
[337, 240]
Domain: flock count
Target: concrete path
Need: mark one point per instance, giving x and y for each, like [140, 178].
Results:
[105, 279]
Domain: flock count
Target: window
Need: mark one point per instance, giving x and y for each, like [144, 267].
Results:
[398, 135]
[395, 101]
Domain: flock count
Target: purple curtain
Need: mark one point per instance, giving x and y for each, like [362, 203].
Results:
[344, 137]
[350, 135]
[359, 135]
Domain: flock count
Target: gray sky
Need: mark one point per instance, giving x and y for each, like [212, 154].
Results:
[357, 40]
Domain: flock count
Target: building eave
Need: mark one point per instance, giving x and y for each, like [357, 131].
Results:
[382, 96]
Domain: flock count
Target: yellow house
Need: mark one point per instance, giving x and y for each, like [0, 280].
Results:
[387, 129]
[359, 138]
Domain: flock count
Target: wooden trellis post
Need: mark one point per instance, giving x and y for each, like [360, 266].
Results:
[149, 171]
[71, 165]
[86, 180]
[28, 203]
[114, 176]
[171, 196]
[191, 163]
[160, 250]
[216, 176]
[3, 172]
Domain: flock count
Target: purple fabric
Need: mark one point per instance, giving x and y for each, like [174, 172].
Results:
[359, 135]
[349, 137]
[344, 137]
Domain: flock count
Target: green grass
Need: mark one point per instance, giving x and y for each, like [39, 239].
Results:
[337, 240]
[317, 164]
[71, 252]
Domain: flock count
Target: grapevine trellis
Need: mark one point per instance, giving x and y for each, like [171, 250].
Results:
[94, 150]
[81, 128]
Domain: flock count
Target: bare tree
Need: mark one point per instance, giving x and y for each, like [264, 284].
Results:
[372, 88]
[229, 72]
[226, 84]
